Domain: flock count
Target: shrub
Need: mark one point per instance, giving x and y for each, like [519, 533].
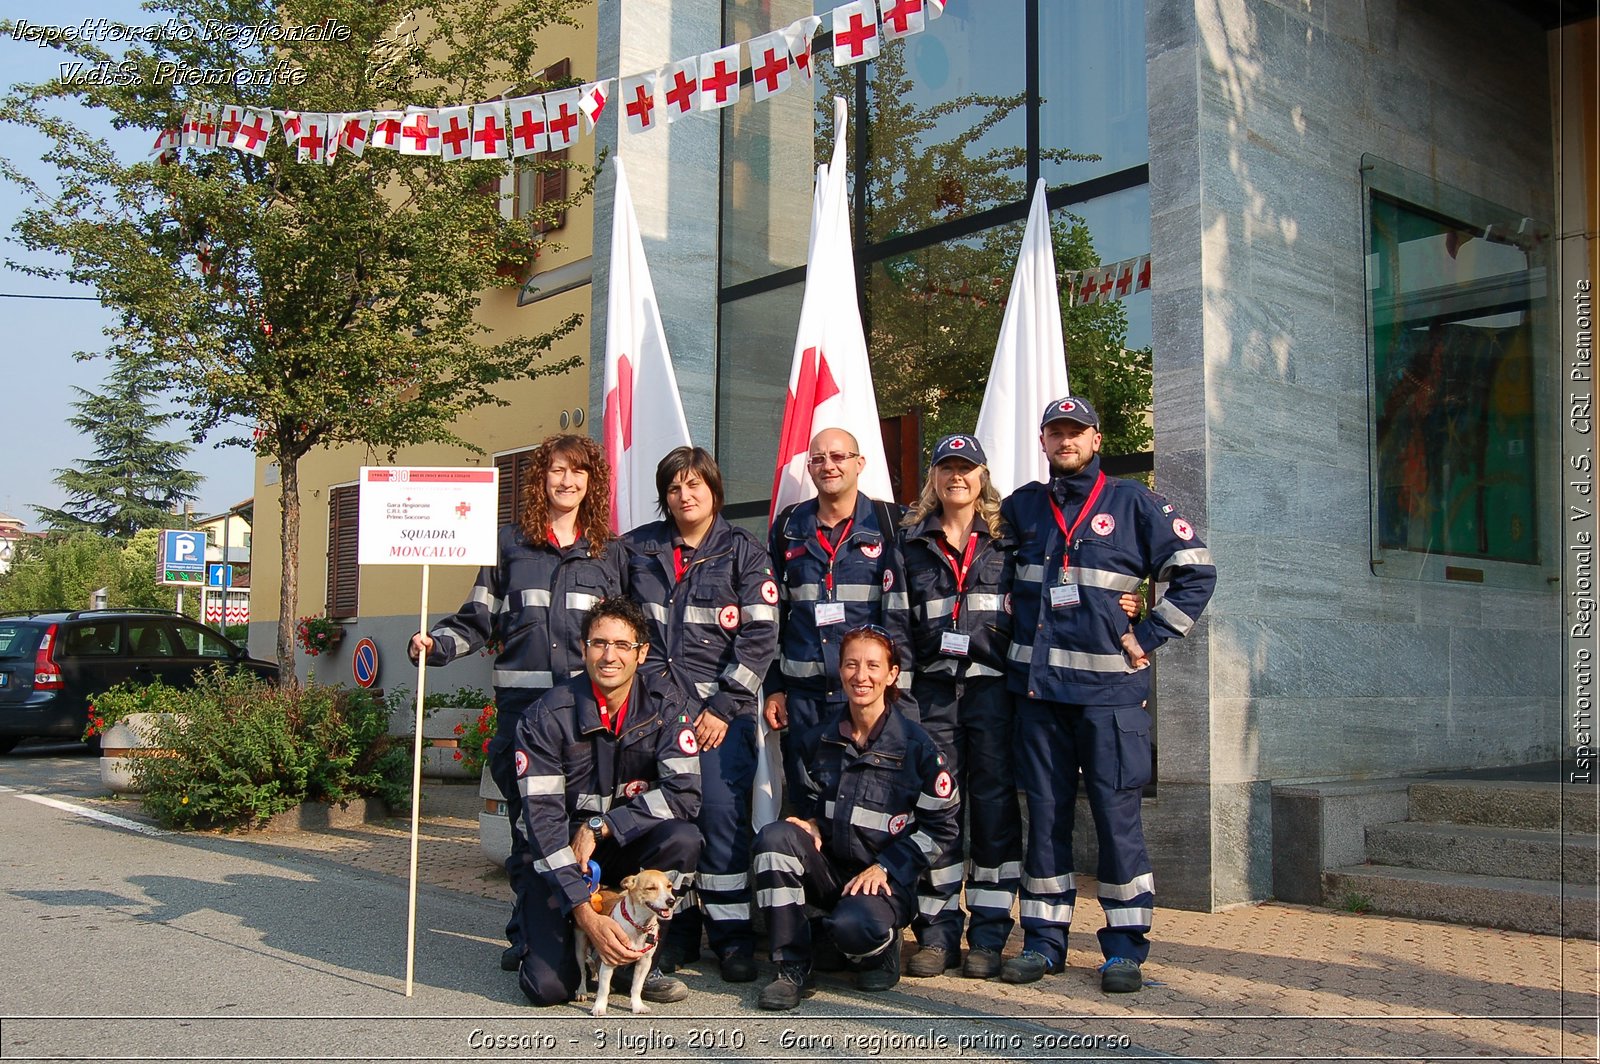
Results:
[108, 707]
[244, 750]
[473, 749]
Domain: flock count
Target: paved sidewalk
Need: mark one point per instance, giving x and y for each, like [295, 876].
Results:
[1267, 980]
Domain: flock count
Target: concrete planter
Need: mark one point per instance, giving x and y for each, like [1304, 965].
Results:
[494, 830]
[131, 737]
[439, 729]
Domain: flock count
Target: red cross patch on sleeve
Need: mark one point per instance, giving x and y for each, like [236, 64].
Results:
[687, 742]
[943, 785]
[522, 763]
[728, 617]
[769, 592]
[888, 580]
[897, 823]
[1182, 529]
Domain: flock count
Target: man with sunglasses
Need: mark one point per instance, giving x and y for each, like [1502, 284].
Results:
[837, 563]
[608, 767]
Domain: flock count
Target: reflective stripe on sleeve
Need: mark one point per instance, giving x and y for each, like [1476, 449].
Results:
[528, 786]
[744, 677]
[1181, 622]
[1182, 558]
[686, 766]
[577, 600]
[536, 596]
[518, 678]
[758, 612]
[560, 859]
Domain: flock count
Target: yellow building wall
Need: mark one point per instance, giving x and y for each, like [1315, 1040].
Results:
[533, 411]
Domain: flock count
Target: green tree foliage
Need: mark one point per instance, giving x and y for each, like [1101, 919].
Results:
[136, 479]
[63, 570]
[296, 305]
[934, 315]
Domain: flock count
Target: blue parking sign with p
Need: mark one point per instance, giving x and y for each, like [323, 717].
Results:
[183, 557]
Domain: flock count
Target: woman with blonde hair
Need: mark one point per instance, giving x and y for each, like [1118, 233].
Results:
[555, 561]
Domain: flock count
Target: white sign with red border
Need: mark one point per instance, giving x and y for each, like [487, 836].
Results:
[428, 515]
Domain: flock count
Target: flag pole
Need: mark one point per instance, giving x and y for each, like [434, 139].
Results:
[416, 794]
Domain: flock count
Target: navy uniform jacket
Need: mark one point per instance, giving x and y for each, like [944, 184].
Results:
[934, 602]
[1074, 654]
[894, 803]
[868, 577]
[570, 767]
[533, 600]
[717, 631]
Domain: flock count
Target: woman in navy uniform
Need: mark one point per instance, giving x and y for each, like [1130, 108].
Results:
[712, 606]
[554, 562]
[874, 803]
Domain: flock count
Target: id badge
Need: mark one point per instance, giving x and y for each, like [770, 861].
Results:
[1063, 595]
[830, 613]
[956, 644]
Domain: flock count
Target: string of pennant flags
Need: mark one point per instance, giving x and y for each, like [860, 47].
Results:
[513, 128]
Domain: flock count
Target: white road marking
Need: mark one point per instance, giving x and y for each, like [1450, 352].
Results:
[92, 814]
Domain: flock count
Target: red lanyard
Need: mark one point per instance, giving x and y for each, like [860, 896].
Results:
[679, 566]
[960, 568]
[1061, 521]
[831, 550]
[605, 713]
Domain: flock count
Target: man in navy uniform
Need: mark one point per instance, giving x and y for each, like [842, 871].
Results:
[1081, 675]
[608, 767]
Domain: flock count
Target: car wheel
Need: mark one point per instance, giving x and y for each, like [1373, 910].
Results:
[8, 745]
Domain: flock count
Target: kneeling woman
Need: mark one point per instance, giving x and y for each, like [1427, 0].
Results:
[875, 803]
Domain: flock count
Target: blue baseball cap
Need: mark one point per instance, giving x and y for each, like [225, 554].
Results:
[959, 446]
[1072, 408]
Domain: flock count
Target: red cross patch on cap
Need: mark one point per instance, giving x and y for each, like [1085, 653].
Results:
[958, 444]
[522, 763]
[729, 617]
[1103, 524]
[1182, 529]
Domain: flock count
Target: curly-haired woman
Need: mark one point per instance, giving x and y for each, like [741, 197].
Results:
[558, 559]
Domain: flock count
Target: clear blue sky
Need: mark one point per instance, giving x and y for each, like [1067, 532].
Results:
[38, 336]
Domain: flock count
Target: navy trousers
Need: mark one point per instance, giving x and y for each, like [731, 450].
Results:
[727, 777]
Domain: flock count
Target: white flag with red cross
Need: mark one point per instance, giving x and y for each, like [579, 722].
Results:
[770, 65]
[355, 133]
[1030, 361]
[455, 133]
[528, 132]
[901, 18]
[561, 118]
[643, 417]
[253, 133]
[166, 141]
[592, 101]
[682, 88]
[312, 147]
[855, 32]
[798, 35]
[419, 132]
[830, 379]
[638, 98]
[229, 116]
[289, 121]
[935, 9]
[1141, 274]
[489, 130]
[719, 78]
[206, 116]
[386, 129]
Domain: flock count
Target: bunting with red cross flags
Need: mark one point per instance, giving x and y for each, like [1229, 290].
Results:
[312, 146]
[719, 78]
[561, 118]
[638, 100]
[528, 133]
[489, 131]
[419, 132]
[455, 133]
[901, 18]
[769, 65]
[228, 120]
[166, 143]
[855, 32]
[798, 34]
[592, 101]
[355, 133]
[681, 89]
[386, 129]
[289, 121]
[253, 133]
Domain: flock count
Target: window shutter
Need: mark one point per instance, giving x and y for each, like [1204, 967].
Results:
[551, 187]
[516, 470]
[344, 587]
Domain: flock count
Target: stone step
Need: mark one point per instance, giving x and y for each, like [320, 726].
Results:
[1478, 849]
[1536, 906]
[1506, 803]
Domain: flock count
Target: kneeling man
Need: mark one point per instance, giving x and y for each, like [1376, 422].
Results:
[608, 768]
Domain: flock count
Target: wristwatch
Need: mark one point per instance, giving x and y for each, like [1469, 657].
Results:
[598, 827]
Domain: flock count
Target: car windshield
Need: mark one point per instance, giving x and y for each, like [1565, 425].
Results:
[18, 640]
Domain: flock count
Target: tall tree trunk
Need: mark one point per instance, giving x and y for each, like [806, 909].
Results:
[289, 574]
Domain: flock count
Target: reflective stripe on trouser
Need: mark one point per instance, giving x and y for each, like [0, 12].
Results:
[791, 873]
[549, 973]
[727, 775]
[503, 770]
[1111, 745]
[973, 722]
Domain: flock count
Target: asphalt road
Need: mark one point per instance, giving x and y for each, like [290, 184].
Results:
[124, 942]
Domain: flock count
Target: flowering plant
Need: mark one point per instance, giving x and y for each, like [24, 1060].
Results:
[318, 635]
[122, 701]
[472, 747]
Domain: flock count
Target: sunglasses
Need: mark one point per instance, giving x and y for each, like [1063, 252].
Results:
[870, 629]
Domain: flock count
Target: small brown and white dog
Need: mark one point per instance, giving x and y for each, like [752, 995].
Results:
[645, 901]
